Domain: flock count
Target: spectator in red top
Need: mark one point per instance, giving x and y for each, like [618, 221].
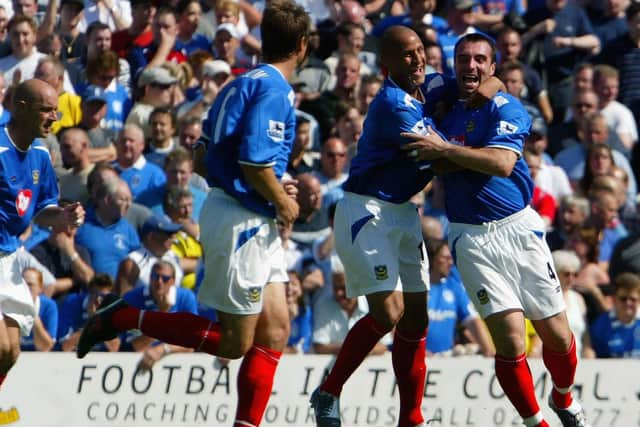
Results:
[542, 202]
[139, 33]
[165, 32]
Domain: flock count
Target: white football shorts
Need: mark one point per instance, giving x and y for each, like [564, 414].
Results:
[507, 265]
[242, 253]
[380, 245]
[16, 301]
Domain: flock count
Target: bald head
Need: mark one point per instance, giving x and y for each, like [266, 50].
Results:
[32, 91]
[309, 195]
[392, 39]
[34, 109]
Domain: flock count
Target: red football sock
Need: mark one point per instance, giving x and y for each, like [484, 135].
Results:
[562, 367]
[515, 378]
[184, 329]
[255, 381]
[360, 340]
[410, 367]
[2, 378]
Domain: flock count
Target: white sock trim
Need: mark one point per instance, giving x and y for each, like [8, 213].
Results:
[533, 420]
[140, 317]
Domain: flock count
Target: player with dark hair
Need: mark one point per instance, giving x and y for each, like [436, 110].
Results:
[497, 239]
[251, 128]
[378, 234]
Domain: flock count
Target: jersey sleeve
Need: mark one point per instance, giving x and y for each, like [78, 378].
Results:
[265, 129]
[510, 124]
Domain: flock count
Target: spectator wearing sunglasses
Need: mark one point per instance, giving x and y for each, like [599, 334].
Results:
[617, 332]
[160, 294]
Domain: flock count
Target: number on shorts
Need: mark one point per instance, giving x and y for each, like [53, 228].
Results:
[552, 275]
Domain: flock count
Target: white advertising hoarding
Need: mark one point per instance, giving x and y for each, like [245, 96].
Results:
[56, 390]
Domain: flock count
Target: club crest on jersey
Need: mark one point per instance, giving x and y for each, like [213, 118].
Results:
[457, 139]
[420, 128]
[381, 272]
[470, 126]
[254, 293]
[276, 130]
[483, 297]
[506, 128]
[35, 174]
[23, 200]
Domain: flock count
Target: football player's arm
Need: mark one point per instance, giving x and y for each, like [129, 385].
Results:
[264, 181]
[71, 215]
[488, 160]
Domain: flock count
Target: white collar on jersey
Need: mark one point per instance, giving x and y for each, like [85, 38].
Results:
[398, 86]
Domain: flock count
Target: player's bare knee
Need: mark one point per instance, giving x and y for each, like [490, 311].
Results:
[278, 336]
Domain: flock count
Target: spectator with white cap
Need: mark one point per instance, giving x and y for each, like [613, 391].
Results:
[156, 84]
[226, 45]
[158, 234]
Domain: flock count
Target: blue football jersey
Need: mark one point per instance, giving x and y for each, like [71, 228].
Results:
[473, 197]
[380, 169]
[27, 185]
[252, 122]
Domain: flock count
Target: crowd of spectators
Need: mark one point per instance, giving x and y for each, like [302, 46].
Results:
[136, 78]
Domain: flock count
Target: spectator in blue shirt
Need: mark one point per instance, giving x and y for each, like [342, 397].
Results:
[108, 237]
[617, 333]
[162, 295]
[142, 176]
[449, 305]
[45, 322]
[76, 309]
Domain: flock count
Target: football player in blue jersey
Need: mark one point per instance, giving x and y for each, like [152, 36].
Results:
[378, 235]
[497, 239]
[251, 130]
[28, 191]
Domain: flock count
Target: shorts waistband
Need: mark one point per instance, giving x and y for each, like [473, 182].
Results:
[496, 223]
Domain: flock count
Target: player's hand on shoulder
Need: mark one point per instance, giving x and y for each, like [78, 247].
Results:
[485, 93]
[424, 147]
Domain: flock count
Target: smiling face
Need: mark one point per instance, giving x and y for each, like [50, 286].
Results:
[474, 64]
[406, 62]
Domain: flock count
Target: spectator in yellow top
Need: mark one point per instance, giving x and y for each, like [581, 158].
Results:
[51, 70]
